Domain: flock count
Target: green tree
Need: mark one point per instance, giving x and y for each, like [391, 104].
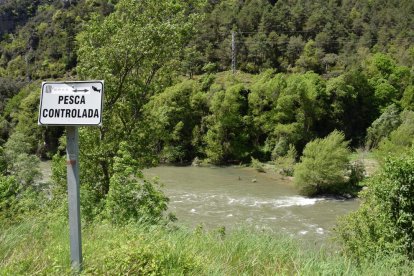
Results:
[399, 140]
[227, 137]
[383, 126]
[388, 80]
[407, 100]
[134, 49]
[286, 107]
[323, 165]
[311, 58]
[21, 114]
[299, 108]
[263, 107]
[8, 88]
[350, 105]
[294, 48]
[192, 61]
[172, 116]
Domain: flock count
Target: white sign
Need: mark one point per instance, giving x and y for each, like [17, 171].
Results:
[72, 103]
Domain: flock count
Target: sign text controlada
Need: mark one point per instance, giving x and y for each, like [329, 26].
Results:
[75, 103]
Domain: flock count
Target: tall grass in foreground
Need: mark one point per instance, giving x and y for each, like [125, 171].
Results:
[40, 246]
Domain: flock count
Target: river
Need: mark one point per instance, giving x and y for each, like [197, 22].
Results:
[236, 197]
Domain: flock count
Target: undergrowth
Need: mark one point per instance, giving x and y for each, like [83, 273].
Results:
[41, 246]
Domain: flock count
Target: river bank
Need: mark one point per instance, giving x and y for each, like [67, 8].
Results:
[41, 246]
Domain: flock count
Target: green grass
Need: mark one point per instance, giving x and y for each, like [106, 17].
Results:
[40, 246]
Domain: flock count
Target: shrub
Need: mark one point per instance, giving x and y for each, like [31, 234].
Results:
[280, 149]
[384, 222]
[400, 140]
[20, 191]
[356, 172]
[131, 197]
[16, 201]
[286, 164]
[383, 126]
[9, 190]
[256, 164]
[20, 163]
[210, 67]
[323, 166]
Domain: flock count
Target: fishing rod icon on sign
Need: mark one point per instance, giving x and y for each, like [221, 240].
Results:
[86, 90]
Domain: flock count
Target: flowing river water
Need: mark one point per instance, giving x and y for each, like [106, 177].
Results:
[236, 197]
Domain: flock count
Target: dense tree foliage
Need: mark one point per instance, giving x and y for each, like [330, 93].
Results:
[326, 37]
[174, 117]
[45, 46]
[361, 65]
[313, 80]
[133, 50]
[115, 47]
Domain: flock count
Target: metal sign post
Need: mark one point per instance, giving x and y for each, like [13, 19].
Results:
[72, 164]
[72, 104]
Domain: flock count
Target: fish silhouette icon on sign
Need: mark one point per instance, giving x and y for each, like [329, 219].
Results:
[96, 89]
